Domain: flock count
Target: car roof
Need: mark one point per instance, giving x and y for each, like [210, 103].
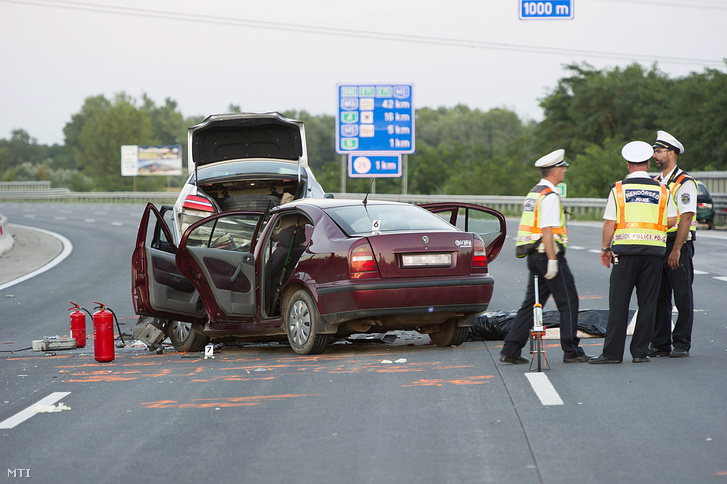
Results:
[325, 203]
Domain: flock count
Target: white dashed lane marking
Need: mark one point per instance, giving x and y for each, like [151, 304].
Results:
[24, 415]
[544, 389]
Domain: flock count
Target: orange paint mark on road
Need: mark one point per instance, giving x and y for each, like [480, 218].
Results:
[232, 378]
[401, 369]
[225, 402]
[470, 380]
[590, 297]
[101, 378]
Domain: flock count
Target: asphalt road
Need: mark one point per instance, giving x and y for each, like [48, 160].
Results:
[368, 412]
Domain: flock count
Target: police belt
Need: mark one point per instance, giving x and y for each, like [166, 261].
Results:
[671, 236]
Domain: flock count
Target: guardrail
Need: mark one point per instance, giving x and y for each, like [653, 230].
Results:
[65, 195]
[579, 208]
[25, 185]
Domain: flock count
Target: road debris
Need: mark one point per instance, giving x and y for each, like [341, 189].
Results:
[51, 408]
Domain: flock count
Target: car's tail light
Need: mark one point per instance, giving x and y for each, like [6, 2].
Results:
[362, 262]
[195, 202]
[704, 205]
[479, 257]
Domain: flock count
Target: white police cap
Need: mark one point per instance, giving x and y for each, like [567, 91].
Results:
[637, 152]
[665, 140]
[556, 158]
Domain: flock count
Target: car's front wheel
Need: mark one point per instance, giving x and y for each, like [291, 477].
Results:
[302, 320]
[184, 338]
[450, 334]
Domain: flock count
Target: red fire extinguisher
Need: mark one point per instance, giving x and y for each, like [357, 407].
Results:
[78, 325]
[103, 334]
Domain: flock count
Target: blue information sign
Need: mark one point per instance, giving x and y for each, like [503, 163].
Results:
[546, 9]
[374, 165]
[375, 117]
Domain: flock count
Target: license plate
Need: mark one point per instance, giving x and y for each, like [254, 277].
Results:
[426, 260]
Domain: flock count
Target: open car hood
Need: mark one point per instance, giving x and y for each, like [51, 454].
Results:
[241, 136]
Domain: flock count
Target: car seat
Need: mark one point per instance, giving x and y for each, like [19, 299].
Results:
[291, 245]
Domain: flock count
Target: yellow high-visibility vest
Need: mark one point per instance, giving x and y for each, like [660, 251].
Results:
[673, 184]
[529, 233]
[641, 217]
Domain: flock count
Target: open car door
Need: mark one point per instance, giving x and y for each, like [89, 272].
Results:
[157, 286]
[486, 222]
[216, 256]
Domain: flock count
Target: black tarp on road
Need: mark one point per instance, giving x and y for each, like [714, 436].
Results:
[495, 325]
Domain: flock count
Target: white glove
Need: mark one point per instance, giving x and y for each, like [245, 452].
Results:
[552, 269]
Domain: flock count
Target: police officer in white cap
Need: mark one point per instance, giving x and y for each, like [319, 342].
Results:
[678, 269]
[638, 212]
[542, 238]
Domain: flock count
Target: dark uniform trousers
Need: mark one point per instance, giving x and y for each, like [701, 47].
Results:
[643, 272]
[678, 281]
[563, 289]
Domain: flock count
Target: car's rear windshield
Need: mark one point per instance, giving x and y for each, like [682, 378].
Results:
[247, 168]
[362, 220]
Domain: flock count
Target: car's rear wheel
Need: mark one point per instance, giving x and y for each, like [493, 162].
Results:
[449, 334]
[184, 338]
[302, 319]
[257, 203]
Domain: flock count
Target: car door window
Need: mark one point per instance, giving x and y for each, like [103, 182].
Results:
[159, 239]
[485, 222]
[233, 233]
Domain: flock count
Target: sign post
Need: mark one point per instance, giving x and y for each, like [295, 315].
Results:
[375, 127]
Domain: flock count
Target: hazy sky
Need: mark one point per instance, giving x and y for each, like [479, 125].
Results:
[275, 55]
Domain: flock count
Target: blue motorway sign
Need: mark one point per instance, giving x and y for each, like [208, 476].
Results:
[547, 9]
[375, 117]
[374, 165]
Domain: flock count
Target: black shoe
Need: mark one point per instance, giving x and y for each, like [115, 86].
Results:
[578, 359]
[515, 360]
[602, 360]
[658, 352]
[645, 359]
[679, 353]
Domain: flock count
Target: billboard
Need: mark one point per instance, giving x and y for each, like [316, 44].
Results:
[151, 160]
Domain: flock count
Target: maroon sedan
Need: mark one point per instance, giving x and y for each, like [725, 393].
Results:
[316, 270]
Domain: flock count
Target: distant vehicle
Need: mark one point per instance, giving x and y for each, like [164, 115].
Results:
[315, 271]
[243, 161]
[705, 207]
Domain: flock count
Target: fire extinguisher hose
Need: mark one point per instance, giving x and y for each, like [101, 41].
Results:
[118, 327]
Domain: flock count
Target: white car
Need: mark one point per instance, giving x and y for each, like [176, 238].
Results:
[243, 161]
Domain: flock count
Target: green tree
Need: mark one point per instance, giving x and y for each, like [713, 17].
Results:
[166, 120]
[22, 150]
[102, 136]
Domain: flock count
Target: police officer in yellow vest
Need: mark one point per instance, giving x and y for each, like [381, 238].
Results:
[542, 238]
[678, 270]
[637, 214]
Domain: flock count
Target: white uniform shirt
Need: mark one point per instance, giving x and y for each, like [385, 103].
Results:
[610, 212]
[549, 208]
[686, 196]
